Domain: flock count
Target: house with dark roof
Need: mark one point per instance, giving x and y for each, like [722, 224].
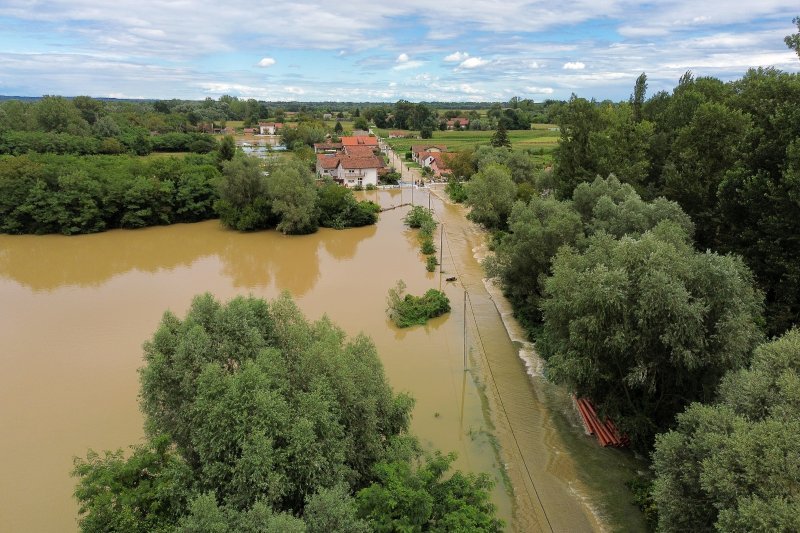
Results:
[327, 147]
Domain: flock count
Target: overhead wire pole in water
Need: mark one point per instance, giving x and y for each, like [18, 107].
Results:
[441, 248]
[465, 329]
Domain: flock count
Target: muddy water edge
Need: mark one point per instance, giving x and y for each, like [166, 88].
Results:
[74, 312]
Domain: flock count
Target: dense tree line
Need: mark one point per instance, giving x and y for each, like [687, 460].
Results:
[284, 195]
[45, 193]
[86, 126]
[258, 420]
[728, 153]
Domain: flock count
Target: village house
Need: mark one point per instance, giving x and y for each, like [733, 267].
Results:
[354, 171]
[350, 170]
[363, 140]
[327, 147]
[396, 134]
[327, 164]
[458, 123]
[437, 163]
[269, 128]
[418, 149]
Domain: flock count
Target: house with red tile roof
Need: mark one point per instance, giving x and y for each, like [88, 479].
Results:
[360, 150]
[458, 123]
[418, 149]
[358, 171]
[326, 165]
[438, 163]
[350, 170]
[360, 140]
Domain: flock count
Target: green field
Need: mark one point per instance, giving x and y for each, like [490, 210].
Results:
[543, 137]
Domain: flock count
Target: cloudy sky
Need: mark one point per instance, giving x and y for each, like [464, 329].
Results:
[361, 50]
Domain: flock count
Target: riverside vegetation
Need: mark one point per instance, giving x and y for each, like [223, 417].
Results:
[258, 420]
[651, 266]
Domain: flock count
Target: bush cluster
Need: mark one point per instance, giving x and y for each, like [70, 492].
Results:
[409, 310]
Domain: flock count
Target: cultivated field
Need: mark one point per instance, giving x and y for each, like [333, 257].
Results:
[543, 137]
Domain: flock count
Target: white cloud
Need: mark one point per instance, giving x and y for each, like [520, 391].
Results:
[404, 62]
[539, 90]
[456, 57]
[576, 65]
[266, 62]
[473, 62]
[534, 64]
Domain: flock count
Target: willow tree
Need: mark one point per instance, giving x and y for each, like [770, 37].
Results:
[646, 325]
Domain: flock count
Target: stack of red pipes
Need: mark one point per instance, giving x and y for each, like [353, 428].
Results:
[607, 433]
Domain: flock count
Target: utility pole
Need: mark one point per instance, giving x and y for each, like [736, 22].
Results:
[441, 248]
[465, 329]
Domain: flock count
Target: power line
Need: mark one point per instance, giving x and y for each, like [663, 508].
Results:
[494, 384]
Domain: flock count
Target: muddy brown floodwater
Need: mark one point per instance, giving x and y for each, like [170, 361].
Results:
[74, 312]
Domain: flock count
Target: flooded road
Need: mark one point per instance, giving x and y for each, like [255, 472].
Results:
[74, 312]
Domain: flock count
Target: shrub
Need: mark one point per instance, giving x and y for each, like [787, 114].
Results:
[431, 263]
[416, 216]
[427, 247]
[456, 190]
[409, 310]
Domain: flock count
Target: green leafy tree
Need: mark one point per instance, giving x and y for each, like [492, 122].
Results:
[646, 325]
[256, 416]
[293, 196]
[703, 151]
[423, 498]
[735, 465]
[500, 137]
[338, 129]
[638, 96]
[226, 150]
[338, 208]
[58, 115]
[793, 41]
[141, 493]
[243, 200]
[536, 231]
[491, 193]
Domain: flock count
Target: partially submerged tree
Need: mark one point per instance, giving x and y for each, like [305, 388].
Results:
[259, 420]
[645, 325]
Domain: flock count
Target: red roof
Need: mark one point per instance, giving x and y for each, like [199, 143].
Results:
[328, 161]
[359, 150]
[366, 140]
[348, 161]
